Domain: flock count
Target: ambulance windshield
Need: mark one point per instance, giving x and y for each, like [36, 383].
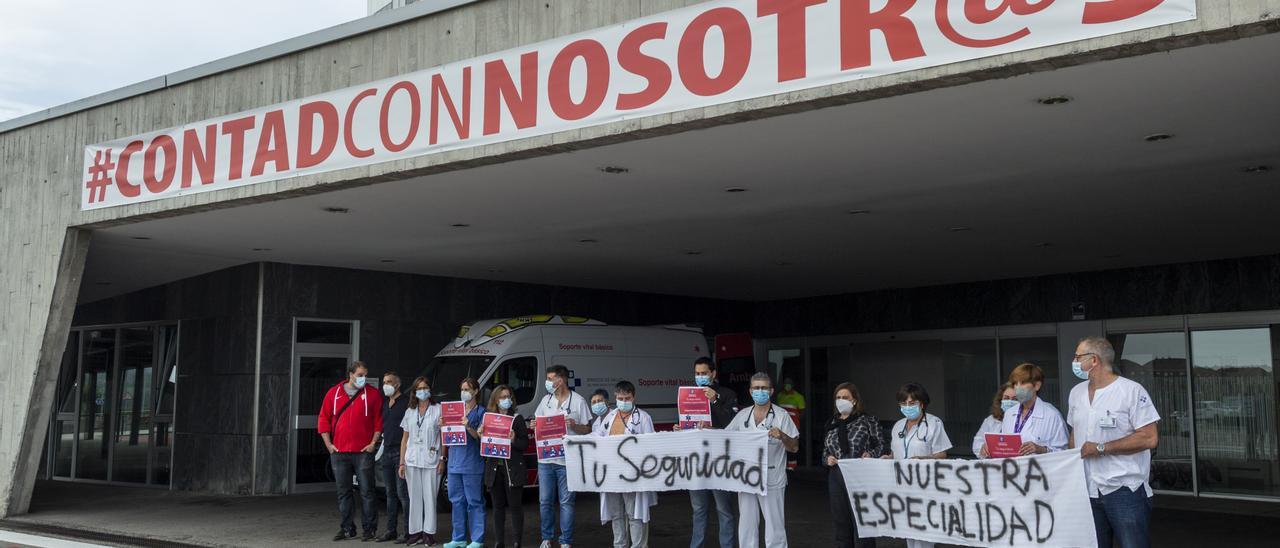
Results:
[445, 373]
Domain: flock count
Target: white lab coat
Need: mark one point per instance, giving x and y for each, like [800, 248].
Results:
[1044, 427]
[639, 423]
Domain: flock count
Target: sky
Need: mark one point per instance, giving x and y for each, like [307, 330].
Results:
[57, 51]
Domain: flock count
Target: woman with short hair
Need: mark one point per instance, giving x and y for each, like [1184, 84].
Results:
[918, 434]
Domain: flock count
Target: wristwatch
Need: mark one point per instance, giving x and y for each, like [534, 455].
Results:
[1102, 447]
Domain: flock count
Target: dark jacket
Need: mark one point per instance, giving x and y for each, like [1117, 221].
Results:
[725, 408]
[514, 467]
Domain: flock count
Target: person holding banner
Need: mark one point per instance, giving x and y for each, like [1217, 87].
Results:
[553, 481]
[783, 438]
[918, 435]
[1113, 422]
[599, 408]
[1038, 422]
[506, 477]
[851, 434]
[421, 463]
[466, 474]
[629, 512]
[1001, 402]
[724, 406]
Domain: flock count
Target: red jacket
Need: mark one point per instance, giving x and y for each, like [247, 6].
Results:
[354, 430]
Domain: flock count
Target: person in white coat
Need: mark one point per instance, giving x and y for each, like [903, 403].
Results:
[783, 438]
[918, 435]
[1001, 402]
[420, 462]
[629, 512]
[1038, 422]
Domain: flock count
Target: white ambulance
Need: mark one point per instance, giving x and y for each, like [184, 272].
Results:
[517, 352]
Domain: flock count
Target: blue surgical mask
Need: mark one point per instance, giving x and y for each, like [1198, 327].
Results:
[626, 406]
[360, 382]
[1079, 372]
[599, 408]
[702, 380]
[911, 412]
[1022, 394]
[761, 397]
[1006, 405]
[551, 387]
[504, 403]
[422, 394]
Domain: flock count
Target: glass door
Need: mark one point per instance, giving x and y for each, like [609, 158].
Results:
[321, 352]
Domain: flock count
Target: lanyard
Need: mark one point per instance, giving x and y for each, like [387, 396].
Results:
[1018, 422]
[422, 416]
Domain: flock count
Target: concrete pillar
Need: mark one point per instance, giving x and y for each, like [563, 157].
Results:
[39, 281]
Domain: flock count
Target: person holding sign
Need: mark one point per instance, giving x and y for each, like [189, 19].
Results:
[505, 476]
[918, 435]
[466, 473]
[783, 438]
[629, 512]
[1001, 402]
[851, 434]
[421, 463]
[1037, 422]
[1113, 422]
[724, 405]
[553, 480]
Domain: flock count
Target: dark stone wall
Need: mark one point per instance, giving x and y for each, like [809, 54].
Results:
[1229, 285]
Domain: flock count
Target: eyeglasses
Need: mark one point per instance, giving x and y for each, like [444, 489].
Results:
[1078, 356]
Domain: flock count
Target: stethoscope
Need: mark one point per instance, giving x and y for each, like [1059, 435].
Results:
[765, 425]
[921, 432]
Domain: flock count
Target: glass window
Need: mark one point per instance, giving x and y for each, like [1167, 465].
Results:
[967, 371]
[1158, 361]
[445, 373]
[64, 421]
[521, 374]
[95, 377]
[1042, 351]
[324, 332]
[132, 431]
[1235, 411]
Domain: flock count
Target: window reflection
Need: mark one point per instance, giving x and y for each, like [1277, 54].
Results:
[1235, 410]
[1158, 361]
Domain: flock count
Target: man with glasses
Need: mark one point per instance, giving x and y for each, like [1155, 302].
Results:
[1113, 422]
[783, 438]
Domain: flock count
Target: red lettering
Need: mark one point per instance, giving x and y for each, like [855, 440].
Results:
[652, 69]
[415, 116]
[737, 51]
[856, 23]
[197, 158]
[348, 138]
[461, 124]
[1110, 11]
[792, 56]
[236, 129]
[159, 184]
[558, 95]
[307, 157]
[273, 146]
[976, 11]
[499, 87]
[127, 189]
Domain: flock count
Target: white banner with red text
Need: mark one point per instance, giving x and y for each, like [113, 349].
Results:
[1038, 500]
[710, 53]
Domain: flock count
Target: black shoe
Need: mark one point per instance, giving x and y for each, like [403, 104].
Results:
[368, 536]
[344, 535]
[388, 536]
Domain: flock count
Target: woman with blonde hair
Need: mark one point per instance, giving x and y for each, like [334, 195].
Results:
[1001, 402]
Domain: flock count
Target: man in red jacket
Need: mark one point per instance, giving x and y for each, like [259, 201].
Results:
[351, 425]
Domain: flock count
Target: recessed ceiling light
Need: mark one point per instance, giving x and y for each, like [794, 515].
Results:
[1155, 137]
[496, 271]
[387, 261]
[735, 189]
[459, 225]
[141, 237]
[1043, 244]
[1054, 100]
[262, 249]
[959, 229]
[614, 170]
[588, 241]
[1257, 169]
[1111, 256]
[858, 211]
[693, 252]
[783, 263]
[337, 210]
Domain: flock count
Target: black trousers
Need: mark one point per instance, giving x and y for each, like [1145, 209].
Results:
[846, 528]
[505, 496]
[345, 467]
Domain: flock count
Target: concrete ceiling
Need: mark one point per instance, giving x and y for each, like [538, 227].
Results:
[960, 184]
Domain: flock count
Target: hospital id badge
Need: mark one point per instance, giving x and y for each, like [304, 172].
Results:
[1107, 422]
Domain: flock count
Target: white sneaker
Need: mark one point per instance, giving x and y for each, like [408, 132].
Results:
[545, 544]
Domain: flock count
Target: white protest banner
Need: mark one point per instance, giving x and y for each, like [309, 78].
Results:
[1038, 500]
[668, 461]
[709, 53]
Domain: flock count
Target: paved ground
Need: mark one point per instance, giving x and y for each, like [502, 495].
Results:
[122, 516]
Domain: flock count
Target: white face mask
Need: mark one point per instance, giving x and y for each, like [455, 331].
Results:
[388, 390]
[844, 406]
[466, 395]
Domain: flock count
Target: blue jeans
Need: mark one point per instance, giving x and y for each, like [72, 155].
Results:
[345, 466]
[1124, 516]
[466, 493]
[726, 507]
[397, 488]
[553, 487]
